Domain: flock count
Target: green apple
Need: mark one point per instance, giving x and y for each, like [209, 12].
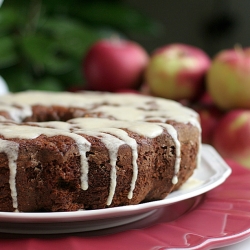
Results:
[177, 71]
[228, 79]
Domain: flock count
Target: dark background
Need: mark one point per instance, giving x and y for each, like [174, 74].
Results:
[211, 25]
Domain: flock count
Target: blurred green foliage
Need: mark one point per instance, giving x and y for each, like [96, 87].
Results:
[43, 42]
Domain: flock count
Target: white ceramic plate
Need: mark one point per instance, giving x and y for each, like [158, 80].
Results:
[212, 172]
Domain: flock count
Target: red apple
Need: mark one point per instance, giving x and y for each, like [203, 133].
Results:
[232, 136]
[209, 119]
[75, 88]
[228, 79]
[206, 100]
[177, 71]
[128, 91]
[209, 114]
[113, 64]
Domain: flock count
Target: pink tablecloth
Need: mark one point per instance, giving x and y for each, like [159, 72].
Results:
[221, 217]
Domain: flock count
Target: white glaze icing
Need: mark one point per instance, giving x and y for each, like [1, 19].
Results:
[174, 135]
[11, 150]
[113, 144]
[132, 107]
[129, 111]
[16, 113]
[11, 131]
[191, 183]
[114, 127]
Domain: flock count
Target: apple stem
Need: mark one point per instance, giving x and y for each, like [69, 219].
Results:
[115, 38]
[239, 49]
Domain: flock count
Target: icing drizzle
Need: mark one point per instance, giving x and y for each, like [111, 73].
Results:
[130, 112]
[11, 150]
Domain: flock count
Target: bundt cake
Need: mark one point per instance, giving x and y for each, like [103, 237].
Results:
[92, 150]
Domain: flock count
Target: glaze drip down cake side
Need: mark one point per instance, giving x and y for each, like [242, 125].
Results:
[92, 150]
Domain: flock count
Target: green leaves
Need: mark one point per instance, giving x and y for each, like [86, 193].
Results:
[119, 16]
[8, 55]
[9, 19]
[43, 43]
[71, 36]
[44, 55]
